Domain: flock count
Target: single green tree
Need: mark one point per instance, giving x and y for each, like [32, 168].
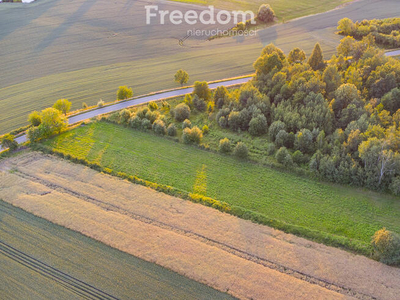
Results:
[62, 105]
[181, 77]
[332, 79]
[124, 93]
[316, 60]
[265, 13]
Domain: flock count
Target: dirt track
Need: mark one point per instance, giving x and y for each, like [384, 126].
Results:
[227, 253]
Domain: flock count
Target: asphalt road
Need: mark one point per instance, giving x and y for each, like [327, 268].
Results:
[393, 53]
[118, 106]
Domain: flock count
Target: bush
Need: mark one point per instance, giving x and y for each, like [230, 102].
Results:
[240, 26]
[241, 150]
[298, 157]
[188, 100]
[281, 138]
[8, 141]
[182, 112]
[199, 103]
[135, 122]
[202, 90]
[159, 127]
[141, 113]
[220, 103]
[304, 141]
[283, 157]
[386, 245]
[34, 134]
[152, 105]
[100, 103]
[210, 107]
[270, 149]
[186, 124]
[124, 93]
[275, 128]
[205, 129]
[124, 116]
[171, 130]
[152, 116]
[192, 135]
[84, 105]
[265, 13]
[166, 107]
[224, 145]
[234, 120]
[35, 118]
[258, 125]
[146, 124]
[220, 93]
[223, 113]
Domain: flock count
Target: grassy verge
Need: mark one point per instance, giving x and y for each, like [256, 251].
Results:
[332, 214]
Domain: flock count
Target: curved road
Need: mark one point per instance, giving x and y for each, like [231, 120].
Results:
[393, 53]
[140, 100]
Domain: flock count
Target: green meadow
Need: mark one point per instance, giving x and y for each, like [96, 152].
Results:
[340, 210]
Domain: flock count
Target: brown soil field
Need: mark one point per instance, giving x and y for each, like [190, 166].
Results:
[246, 260]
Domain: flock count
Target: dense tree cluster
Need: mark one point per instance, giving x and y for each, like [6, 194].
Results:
[386, 32]
[340, 117]
[46, 123]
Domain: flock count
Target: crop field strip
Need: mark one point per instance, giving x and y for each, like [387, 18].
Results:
[78, 287]
[83, 75]
[223, 246]
[44, 261]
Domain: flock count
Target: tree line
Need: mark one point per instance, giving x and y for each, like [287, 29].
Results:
[386, 32]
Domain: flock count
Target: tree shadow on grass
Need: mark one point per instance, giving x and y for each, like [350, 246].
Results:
[57, 32]
[18, 17]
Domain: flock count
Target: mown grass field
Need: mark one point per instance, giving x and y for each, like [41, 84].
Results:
[344, 211]
[113, 272]
[83, 50]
